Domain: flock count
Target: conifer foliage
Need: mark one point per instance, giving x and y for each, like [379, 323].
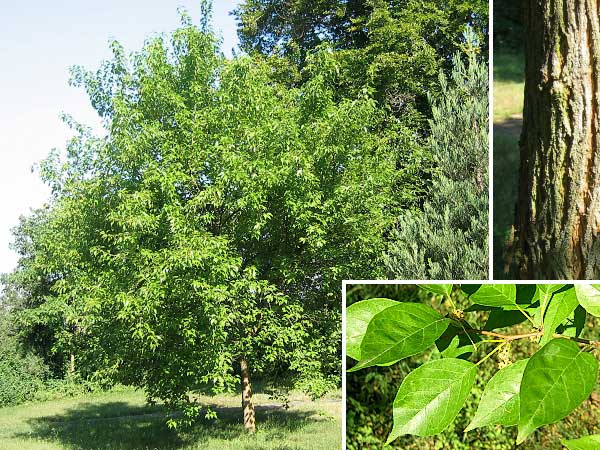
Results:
[448, 239]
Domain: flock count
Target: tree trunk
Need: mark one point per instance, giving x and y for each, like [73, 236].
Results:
[558, 209]
[247, 406]
[72, 365]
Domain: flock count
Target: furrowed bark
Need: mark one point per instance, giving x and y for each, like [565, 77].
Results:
[247, 406]
[558, 208]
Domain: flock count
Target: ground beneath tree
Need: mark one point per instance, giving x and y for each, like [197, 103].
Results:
[510, 127]
[122, 421]
[507, 132]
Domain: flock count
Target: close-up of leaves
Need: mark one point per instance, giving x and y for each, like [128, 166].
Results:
[485, 366]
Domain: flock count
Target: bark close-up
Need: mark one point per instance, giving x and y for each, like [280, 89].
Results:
[558, 209]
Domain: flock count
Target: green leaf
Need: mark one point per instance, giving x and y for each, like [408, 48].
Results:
[500, 318]
[491, 294]
[527, 294]
[399, 332]
[561, 306]
[358, 316]
[545, 294]
[588, 296]
[556, 380]
[431, 396]
[550, 288]
[499, 403]
[440, 289]
[591, 442]
[574, 324]
[455, 343]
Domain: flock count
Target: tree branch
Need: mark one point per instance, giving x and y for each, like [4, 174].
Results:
[514, 337]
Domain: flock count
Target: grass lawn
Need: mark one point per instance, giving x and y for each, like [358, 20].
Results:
[508, 108]
[121, 420]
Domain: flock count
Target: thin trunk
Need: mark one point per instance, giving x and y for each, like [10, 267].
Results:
[72, 365]
[558, 209]
[247, 406]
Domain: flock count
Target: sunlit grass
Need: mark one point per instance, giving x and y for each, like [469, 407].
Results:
[508, 86]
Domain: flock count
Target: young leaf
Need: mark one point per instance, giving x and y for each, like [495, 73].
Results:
[591, 442]
[499, 403]
[440, 289]
[358, 316]
[556, 380]
[398, 332]
[588, 296]
[431, 396]
[491, 294]
[561, 306]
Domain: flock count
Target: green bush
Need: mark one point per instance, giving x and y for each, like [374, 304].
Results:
[21, 376]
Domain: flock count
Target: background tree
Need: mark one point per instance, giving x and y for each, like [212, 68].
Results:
[508, 31]
[205, 237]
[558, 210]
[396, 51]
[394, 48]
[40, 318]
[448, 239]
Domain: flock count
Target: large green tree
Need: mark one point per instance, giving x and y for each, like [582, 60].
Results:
[205, 237]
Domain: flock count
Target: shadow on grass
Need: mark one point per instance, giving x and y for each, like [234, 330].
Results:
[119, 425]
[506, 179]
[510, 128]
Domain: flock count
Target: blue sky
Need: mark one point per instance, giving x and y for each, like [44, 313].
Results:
[39, 41]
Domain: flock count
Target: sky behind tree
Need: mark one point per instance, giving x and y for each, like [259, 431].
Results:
[39, 41]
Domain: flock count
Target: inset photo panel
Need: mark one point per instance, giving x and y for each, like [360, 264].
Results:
[459, 365]
[546, 140]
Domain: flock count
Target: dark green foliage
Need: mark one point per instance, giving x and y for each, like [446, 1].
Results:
[394, 49]
[21, 374]
[448, 239]
[508, 31]
[268, 26]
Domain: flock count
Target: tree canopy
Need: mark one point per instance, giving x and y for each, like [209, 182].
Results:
[213, 222]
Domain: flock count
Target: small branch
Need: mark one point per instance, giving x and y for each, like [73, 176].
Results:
[579, 340]
[452, 306]
[496, 350]
[527, 316]
[505, 337]
[514, 337]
